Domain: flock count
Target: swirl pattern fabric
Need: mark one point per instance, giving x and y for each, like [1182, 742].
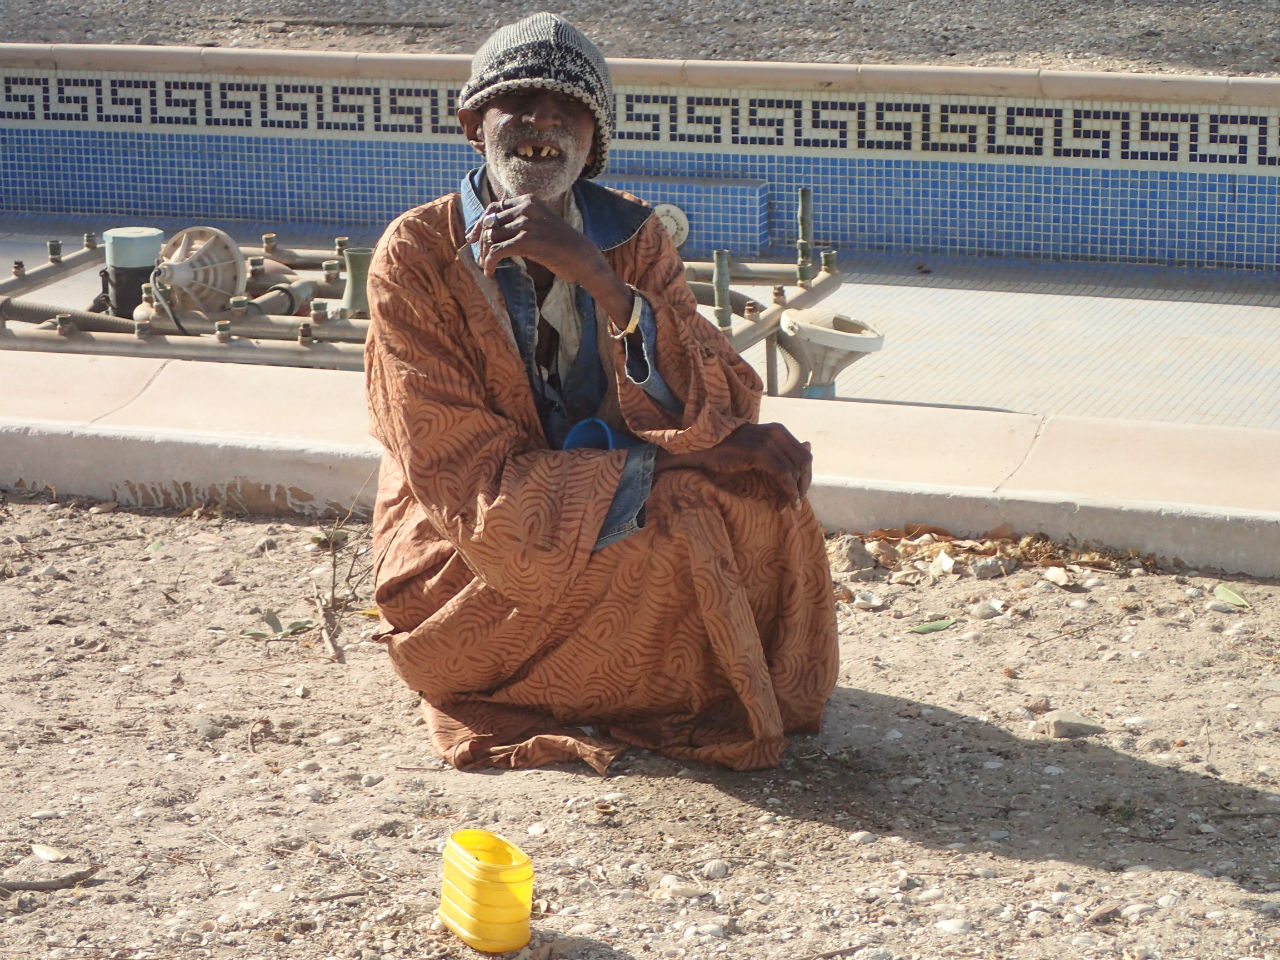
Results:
[708, 635]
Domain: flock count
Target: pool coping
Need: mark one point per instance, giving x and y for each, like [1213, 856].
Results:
[836, 77]
[178, 433]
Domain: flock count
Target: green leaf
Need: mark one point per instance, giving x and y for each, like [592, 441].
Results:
[330, 539]
[298, 626]
[271, 620]
[255, 634]
[1228, 595]
[154, 545]
[933, 626]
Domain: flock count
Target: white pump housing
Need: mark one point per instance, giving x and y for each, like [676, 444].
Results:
[204, 269]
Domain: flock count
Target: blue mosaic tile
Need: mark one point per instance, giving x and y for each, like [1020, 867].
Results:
[1193, 185]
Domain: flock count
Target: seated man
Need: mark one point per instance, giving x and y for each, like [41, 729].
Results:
[665, 585]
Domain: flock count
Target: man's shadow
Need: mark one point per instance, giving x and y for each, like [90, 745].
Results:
[940, 779]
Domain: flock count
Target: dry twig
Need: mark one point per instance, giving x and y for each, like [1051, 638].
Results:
[57, 883]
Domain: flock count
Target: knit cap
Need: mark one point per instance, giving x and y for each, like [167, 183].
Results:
[545, 52]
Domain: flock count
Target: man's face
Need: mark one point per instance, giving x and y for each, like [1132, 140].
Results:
[534, 141]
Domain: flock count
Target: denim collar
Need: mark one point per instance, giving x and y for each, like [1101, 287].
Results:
[608, 219]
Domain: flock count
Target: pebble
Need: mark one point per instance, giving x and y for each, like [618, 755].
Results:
[110, 506]
[206, 729]
[371, 780]
[45, 815]
[988, 568]
[863, 837]
[1135, 910]
[584, 929]
[868, 601]
[985, 610]
[1064, 724]
[1052, 771]
[715, 869]
[309, 766]
[954, 925]
[680, 889]
[1220, 606]
[308, 791]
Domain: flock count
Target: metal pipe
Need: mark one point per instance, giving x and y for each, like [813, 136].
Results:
[28, 311]
[804, 245]
[720, 281]
[254, 325]
[301, 258]
[750, 273]
[280, 353]
[46, 272]
[284, 298]
[745, 334]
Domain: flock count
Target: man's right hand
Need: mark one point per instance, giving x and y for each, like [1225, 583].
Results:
[767, 449]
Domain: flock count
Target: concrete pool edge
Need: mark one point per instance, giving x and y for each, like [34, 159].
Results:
[832, 77]
[876, 465]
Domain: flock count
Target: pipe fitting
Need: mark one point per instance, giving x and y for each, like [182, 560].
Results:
[238, 306]
[269, 241]
[828, 261]
[142, 329]
[332, 269]
[66, 326]
[304, 334]
[222, 330]
[148, 294]
[720, 284]
[55, 250]
[19, 268]
[340, 244]
[91, 241]
[779, 294]
[319, 311]
[257, 266]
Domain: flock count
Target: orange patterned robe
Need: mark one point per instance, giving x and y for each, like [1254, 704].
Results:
[706, 635]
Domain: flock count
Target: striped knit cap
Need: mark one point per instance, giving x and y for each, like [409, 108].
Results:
[545, 52]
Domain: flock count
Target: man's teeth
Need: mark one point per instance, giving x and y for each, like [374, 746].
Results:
[525, 150]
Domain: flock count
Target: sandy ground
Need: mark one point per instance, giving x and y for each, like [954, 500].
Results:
[1163, 36]
[269, 796]
[234, 796]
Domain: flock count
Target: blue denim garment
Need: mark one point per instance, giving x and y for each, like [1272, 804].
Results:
[608, 220]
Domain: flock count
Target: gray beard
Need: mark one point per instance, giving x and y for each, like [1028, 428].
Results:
[548, 180]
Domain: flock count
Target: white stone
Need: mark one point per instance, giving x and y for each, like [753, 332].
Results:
[954, 925]
[863, 837]
[715, 869]
[679, 888]
[1135, 910]
[1221, 606]
[308, 791]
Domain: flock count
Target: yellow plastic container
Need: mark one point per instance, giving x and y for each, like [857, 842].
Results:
[486, 893]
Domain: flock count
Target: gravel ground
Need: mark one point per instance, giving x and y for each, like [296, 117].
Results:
[242, 791]
[1165, 36]
[223, 795]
